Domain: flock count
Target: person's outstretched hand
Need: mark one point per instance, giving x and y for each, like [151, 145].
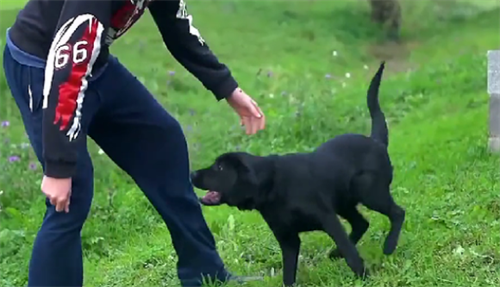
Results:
[58, 191]
[250, 114]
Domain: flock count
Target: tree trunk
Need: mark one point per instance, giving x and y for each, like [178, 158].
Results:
[387, 13]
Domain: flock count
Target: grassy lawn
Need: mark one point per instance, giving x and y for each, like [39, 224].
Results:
[307, 63]
[11, 4]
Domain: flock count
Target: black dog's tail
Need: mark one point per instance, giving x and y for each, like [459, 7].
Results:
[379, 126]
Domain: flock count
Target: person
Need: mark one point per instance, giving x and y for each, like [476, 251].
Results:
[67, 86]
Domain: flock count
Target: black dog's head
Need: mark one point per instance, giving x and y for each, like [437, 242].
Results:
[233, 179]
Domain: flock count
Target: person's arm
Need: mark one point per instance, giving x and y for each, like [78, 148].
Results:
[75, 47]
[188, 47]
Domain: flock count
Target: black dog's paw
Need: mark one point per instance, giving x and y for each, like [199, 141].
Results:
[389, 247]
[335, 254]
[361, 272]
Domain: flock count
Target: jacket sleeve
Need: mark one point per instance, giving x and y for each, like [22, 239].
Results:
[185, 43]
[76, 44]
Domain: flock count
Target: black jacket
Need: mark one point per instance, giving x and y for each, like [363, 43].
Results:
[74, 37]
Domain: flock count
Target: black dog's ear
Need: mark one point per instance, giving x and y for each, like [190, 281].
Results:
[255, 180]
[246, 173]
[245, 193]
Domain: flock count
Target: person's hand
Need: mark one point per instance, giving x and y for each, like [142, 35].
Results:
[250, 114]
[58, 191]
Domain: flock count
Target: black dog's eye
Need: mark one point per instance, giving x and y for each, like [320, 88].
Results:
[219, 167]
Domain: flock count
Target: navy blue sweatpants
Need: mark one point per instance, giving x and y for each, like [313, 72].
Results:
[139, 135]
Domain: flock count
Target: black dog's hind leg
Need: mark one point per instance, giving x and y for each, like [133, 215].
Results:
[290, 247]
[359, 225]
[396, 216]
[334, 228]
[376, 196]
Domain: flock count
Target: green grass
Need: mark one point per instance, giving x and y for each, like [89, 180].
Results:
[434, 95]
[11, 4]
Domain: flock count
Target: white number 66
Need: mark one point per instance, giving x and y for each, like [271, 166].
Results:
[64, 52]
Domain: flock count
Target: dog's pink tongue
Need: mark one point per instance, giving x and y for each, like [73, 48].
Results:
[211, 198]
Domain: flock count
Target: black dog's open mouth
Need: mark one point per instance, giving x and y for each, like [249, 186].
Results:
[212, 198]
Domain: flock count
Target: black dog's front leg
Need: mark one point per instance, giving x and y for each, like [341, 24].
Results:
[290, 247]
[359, 226]
[347, 249]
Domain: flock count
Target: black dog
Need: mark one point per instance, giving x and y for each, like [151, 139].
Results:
[306, 191]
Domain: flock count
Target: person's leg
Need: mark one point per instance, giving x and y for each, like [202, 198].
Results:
[138, 134]
[57, 256]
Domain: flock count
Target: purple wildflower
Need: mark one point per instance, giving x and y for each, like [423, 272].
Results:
[14, 158]
[269, 74]
[5, 123]
[32, 165]
[192, 112]
[328, 76]
[171, 73]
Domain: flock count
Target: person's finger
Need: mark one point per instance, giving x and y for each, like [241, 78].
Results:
[60, 205]
[262, 121]
[258, 108]
[257, 124]
[254, 109]
[52, 200]
[252, 126]
[247, 123]
[66, 208]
